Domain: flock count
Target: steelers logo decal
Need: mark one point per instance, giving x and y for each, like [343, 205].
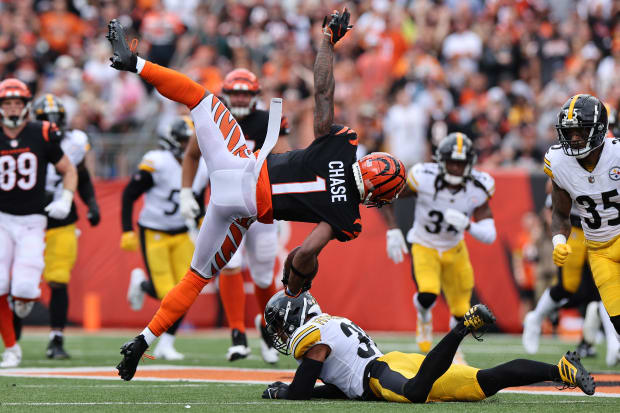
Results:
[614, 173]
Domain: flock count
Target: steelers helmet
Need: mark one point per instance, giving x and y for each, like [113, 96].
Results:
[285, 314]
[455, 147]
[180, 132]
[587, 115]
[50, 108]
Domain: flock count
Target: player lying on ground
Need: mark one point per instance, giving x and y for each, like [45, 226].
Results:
[337, 351]
[323, 183]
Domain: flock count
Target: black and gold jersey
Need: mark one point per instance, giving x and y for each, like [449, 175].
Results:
[316, 183]
[23, 167]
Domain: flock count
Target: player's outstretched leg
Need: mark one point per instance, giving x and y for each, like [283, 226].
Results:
[132, 352]
[439, 359]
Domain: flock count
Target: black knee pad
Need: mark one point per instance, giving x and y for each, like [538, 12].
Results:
[426, 300]
[557, 292]
[615, 320]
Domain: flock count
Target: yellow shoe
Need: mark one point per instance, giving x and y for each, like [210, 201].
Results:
[573, 374]
[424, 336]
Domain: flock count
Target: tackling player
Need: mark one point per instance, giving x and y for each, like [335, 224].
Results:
[323, 183]
[26, 147]
[163, 234]
[259, 248]
[60, 237]
[585, 170]
[449, 193]
[342, 355]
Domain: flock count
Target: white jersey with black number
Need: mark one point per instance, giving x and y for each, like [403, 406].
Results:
[75, 145]
[350, 351]
[161, 202]
[429, 228]
[594, 194]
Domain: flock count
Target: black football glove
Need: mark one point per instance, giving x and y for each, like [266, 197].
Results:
[124, 58]
[93, 213]
[336, 25]
[276, 390]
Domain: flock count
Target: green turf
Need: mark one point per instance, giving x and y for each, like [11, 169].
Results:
[208, 349]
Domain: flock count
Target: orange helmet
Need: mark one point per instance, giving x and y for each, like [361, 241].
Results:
[241, 81]
[379, 177]
[15, 89]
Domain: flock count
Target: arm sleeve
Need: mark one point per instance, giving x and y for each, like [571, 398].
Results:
[85, 185]
[52, 136]
[328, 391]
[305, 377]
[140, 182]
[483, 230]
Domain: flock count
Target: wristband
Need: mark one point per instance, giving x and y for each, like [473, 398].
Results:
[558, 239]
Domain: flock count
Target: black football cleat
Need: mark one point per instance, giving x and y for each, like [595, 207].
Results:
[573, 374]
[477, 318]
[132, 352]
[55, 349]
[123, 58]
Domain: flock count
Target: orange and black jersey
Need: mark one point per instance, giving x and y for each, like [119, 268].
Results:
[316, 184]
[23, 167]
[254, 127]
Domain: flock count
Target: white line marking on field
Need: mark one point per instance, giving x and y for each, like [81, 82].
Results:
[557, 393]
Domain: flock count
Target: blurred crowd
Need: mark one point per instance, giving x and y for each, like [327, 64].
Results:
[409, 72]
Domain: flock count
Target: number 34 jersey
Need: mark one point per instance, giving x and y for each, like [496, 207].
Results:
[351, 350]
[430, 228]
[594, 194]
[161, 202]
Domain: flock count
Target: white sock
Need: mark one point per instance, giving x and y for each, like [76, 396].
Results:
[149, 337]
[140, 64]
[608, 327]
[166, 340]
[426, 315]
[55, 333]
[546, 305]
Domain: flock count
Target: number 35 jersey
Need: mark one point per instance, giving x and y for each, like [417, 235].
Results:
[161, 202]
[594, 194]
[430, 228]
[350, 351]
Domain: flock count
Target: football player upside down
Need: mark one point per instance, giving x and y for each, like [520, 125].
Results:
[322, 184]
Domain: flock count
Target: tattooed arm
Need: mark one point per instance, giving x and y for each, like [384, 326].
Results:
[324, 86]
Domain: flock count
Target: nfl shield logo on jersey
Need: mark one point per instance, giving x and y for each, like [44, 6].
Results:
[614, 173]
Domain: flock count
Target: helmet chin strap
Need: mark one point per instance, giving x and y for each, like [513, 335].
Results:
[359, 182]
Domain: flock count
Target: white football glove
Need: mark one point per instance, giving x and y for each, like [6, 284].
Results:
[192, 229]
[189, 207]
[396, 245]
[457, 219]
[60, 208]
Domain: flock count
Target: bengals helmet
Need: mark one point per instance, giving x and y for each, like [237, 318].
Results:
[284, 315]
[15, 89]
[379, 178]
[241, 81]
[586, 115]
[50, 108]
[180, 131]
[455, 147]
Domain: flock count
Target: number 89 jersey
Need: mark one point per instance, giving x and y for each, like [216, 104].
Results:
[351, 350]
[429, 228]
[594, 194]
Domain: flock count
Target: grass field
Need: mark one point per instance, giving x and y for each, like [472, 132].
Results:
[35, 394]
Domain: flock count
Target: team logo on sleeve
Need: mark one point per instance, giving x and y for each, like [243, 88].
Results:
[614, 173]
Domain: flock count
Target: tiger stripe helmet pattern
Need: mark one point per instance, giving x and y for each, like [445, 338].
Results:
[241, 81]
[379, 178]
